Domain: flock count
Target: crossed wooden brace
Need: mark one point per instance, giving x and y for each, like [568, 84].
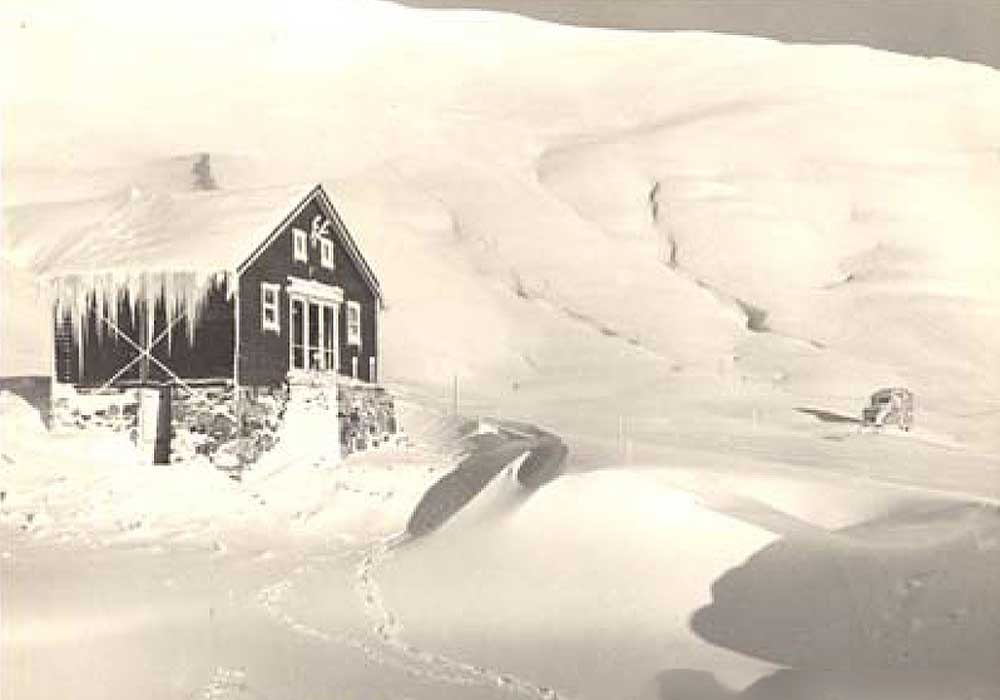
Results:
[144, 352]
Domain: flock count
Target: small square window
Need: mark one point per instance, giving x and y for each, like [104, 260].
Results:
[353, 323]
[326, 253]
[270, 311]
[300, 247]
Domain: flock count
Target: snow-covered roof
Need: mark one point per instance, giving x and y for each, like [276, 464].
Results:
[196, 231]
[167, 245]
[136, 232]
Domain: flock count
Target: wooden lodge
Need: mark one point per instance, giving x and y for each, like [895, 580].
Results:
[286, 294]
[242, 294]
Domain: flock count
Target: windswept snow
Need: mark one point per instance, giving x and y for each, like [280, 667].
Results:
[692, 257]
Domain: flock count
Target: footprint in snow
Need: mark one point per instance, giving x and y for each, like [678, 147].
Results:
[226, 683]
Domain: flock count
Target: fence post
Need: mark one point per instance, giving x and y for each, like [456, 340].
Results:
[161, 448]
[153, 438]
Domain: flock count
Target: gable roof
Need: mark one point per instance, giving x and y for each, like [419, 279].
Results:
[340, 230]
[205, 231]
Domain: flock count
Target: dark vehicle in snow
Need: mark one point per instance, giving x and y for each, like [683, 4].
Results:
[892, 406]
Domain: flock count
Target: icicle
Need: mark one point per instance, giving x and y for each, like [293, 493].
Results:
[79, 296]
[196, 290]
[150, 296]
[116, 299]
[169, 309]
[80, 318]
[101, 285]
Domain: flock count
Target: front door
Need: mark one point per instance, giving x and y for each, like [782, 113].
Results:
[313, 336]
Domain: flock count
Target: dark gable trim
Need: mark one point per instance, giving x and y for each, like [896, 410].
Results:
[277, 231]
[350, 246]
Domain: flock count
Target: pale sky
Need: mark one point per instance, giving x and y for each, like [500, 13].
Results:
[962, 29]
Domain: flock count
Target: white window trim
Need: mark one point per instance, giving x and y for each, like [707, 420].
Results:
[353, 338]
[265, 288]
[326, 253]
[300, 245]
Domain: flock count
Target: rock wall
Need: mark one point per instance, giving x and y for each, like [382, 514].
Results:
[232, 432]
[115, 410]
[367, 417]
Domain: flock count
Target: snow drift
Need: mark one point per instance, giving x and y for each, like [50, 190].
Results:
[681, 252]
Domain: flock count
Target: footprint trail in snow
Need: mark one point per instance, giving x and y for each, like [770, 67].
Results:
[389, 629]
[388, 647]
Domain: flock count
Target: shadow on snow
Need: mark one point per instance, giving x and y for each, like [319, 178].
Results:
[903, 606]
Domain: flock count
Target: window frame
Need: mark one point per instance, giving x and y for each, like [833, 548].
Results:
[273, 326]
[352, 336]
[296, 322]
[326, 253]
[300, 245]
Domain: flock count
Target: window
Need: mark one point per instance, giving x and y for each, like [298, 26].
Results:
[314, 341]
[300, 246]
[353, 323]
[328, 338]
[298, 334]
[326, 253]
[270, 319]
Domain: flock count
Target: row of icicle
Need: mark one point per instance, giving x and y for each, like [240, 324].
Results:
[180, 293]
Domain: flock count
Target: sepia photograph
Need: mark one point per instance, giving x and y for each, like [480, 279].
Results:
[500, 350]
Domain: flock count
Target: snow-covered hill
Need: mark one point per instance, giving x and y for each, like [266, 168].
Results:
[568, 204]
[691, 256]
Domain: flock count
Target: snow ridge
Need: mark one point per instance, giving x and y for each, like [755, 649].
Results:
[756, 316]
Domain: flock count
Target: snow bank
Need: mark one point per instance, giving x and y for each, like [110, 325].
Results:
[91, 487]
[574, 225]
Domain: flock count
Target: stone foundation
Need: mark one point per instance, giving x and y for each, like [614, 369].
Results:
[115, 410]
[232, 432]
[367, 417]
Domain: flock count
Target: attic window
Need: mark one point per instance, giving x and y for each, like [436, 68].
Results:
[300, 250]
[326, 253]
[353, 323]
[269, 314]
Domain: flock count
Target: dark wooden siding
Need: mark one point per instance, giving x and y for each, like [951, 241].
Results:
[355, 289]
[210, 356]
[264, 354]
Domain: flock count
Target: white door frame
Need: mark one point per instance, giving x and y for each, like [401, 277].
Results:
[325, 296]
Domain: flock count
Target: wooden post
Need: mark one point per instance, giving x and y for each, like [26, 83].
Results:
[455, 395]
[161, 448]
[237, 396]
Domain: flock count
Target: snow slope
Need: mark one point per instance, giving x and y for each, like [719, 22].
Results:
[691, 256]
[621, 194]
